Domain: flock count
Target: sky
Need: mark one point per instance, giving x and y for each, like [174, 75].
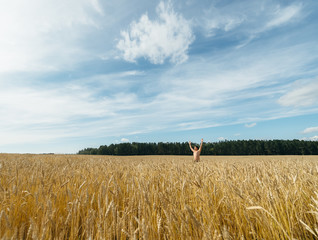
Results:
[85, 73]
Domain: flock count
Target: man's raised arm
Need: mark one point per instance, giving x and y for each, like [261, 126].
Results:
[200, 149]
[191, 146]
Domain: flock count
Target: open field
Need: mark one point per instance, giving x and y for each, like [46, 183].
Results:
[158, 197]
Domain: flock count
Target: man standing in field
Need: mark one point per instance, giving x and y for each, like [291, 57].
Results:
[196, 151]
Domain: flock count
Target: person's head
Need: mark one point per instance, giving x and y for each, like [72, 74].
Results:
[196, 148]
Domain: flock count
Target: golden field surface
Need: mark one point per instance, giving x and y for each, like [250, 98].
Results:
[158, 197]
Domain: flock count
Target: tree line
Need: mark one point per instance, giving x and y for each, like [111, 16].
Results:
[237, 147]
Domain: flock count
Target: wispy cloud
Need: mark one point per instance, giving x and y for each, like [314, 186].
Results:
[247, 20]
[167, 37]
[283, 15]
[97, 6]
[250, 125]
[232, 84]
[32, 113]
[220, 19]
[300, 94]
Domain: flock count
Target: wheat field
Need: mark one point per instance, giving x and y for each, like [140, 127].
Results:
[158, 197]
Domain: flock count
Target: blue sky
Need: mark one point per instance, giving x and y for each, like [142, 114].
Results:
[85, 73]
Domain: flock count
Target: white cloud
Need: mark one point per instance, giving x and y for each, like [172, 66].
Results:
[250, 125]
[204, 92]
[44, 35]
[310, 130]
[221, 139]
[314, 138]
[302, 93]
[194, 125]
[124, 140]
[168, 37]
[216, 88]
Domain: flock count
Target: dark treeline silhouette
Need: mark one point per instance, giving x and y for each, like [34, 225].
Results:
[238, 147]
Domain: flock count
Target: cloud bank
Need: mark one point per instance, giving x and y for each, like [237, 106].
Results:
[242, 62]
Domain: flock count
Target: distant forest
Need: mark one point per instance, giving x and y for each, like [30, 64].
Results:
[238, 147]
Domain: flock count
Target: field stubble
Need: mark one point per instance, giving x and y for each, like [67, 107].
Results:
[158, 197]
